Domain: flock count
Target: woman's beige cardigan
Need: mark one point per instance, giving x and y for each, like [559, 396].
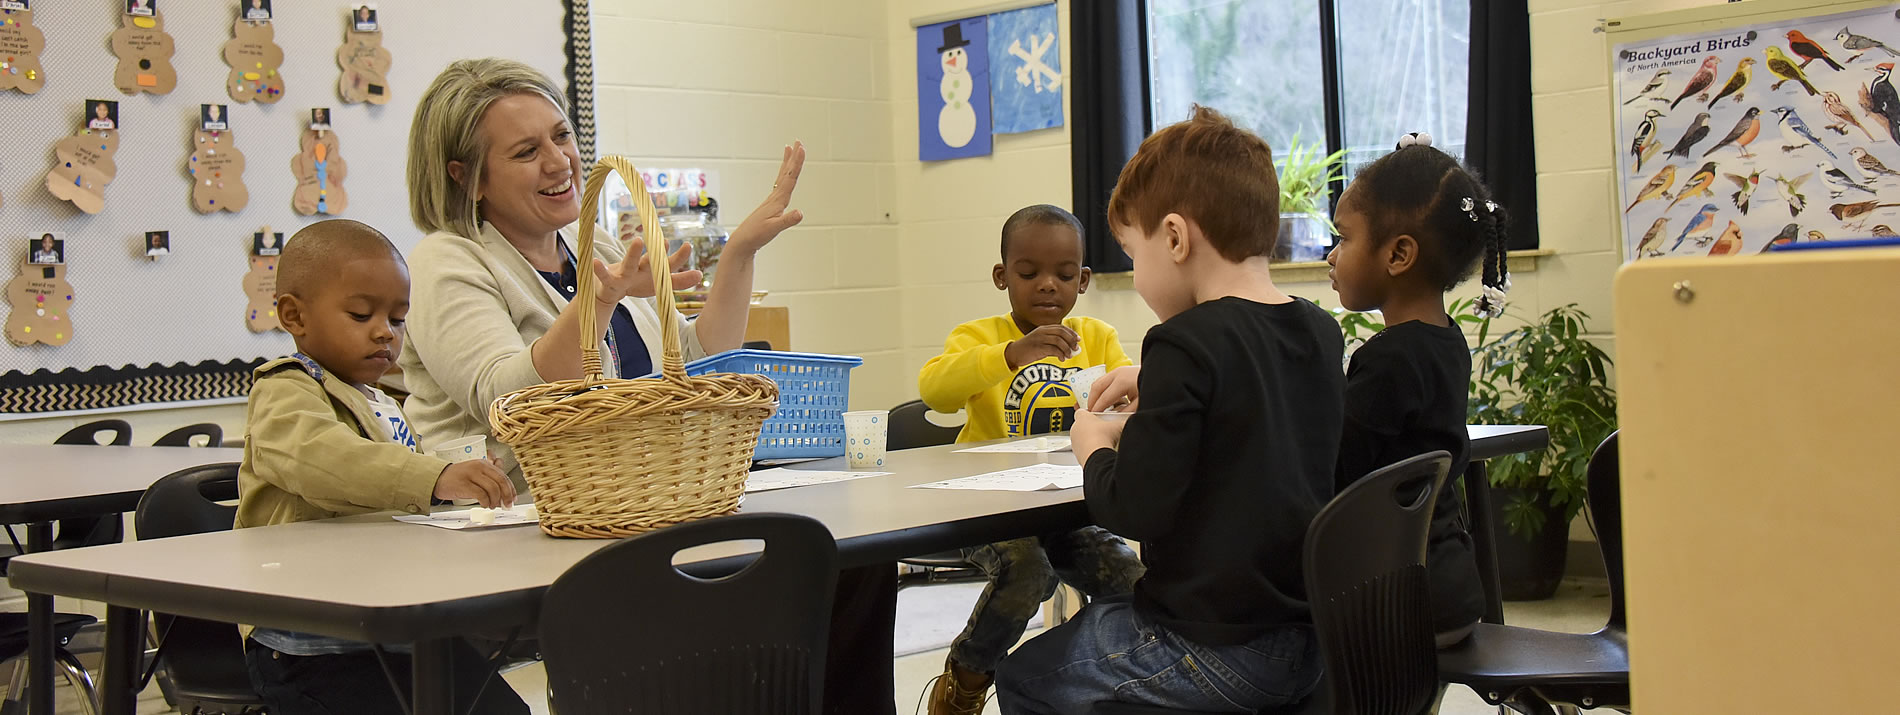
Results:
[476, 306]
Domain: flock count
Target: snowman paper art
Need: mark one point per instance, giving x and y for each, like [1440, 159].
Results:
[955, 122]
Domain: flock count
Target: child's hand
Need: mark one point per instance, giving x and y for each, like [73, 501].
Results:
[1117, 387]
[1048, 341]
[478, 479]
[1091, 433]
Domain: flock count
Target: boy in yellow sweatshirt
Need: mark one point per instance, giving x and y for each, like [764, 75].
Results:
[1010, 372]
[321, 443]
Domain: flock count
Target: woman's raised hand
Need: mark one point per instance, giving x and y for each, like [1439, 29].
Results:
[772, 216]
[629, 276]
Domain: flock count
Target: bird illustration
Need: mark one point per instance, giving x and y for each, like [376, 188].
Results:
[1747, 185]
[1697, 131]
[1703, 77]
[1653, 238]
[1838, 182]
[1729, 243]
[1790, 190]
[1795, 133]
[1870, 163]
[1697, 185]
[1658, 186]
[1780, 66]
[1817, 236]
[1859, 45]
[1744, 132]
[1883, 231]
[1735, 81]
[1809, 50]
[1838, 110]
[1645, 136]
[1781, 239]
[1880, 100]
[1843, 212]
[1697, 229]
[1655, 87]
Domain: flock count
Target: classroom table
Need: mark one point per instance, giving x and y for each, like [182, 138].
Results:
[429, 585]
[46, 483]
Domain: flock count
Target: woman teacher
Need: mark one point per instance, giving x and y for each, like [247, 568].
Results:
[495, 180]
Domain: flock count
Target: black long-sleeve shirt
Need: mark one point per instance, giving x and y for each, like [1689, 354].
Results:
[1225, 464]
[1406, 395]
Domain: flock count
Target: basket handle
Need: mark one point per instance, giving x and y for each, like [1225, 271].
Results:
[671, 366]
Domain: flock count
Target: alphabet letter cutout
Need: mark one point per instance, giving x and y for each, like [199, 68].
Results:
[20, 47]
[145, 55]
[254, 58]
[320, 170]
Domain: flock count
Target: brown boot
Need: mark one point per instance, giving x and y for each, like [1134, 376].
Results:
[959, 691]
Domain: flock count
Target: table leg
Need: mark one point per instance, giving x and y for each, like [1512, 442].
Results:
[39, 630]
[125, 651]
[1484, 537]
[432, 671]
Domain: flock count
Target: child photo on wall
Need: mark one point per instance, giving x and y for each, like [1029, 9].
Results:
[102, 114]
[47, 250]
[158, 243]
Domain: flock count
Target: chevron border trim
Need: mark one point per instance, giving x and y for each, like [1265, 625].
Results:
[580, 76]
[101, 387]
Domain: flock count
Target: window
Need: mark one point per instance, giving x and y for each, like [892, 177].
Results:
[1402, 67]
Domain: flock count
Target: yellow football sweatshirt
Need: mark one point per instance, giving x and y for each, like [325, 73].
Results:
[972, 374]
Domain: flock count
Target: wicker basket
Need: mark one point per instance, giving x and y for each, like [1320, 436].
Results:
[611, 458]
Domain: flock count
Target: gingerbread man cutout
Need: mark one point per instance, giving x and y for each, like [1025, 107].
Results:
[20, 47]
[254, 57]
[260, 283]
[83, 166]
[145, 55]
[320, 170]
[217, 172]
[41, 301]
[364, 61]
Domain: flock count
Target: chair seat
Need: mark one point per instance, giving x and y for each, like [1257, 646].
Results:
[940, 560]
[1502, 658]
[1319, 703]
[13, 631]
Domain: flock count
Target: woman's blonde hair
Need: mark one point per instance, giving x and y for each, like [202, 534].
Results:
[444, 131]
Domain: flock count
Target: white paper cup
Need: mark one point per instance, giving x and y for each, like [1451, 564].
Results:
[463, 450]
[1082, 380]
[864, 434]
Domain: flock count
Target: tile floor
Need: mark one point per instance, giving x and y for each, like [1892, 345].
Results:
[929, 617]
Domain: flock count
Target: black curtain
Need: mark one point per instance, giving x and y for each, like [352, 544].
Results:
[1108, 105]
[1498, 137]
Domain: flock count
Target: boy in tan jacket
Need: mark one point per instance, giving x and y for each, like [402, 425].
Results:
[321, 443]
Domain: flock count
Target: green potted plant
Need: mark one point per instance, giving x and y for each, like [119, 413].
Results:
[1306, 174]
[1543, 372]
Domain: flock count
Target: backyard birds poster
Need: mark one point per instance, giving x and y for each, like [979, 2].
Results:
[1734, 140]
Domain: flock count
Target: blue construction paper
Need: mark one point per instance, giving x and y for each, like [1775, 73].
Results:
[953, 106]
[1026, 55]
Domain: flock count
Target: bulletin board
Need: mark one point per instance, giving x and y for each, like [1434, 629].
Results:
[173, 329]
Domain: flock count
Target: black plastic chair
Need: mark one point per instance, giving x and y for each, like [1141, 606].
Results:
[909, 429]
[181, 437]
[1365, 578]
[1532, 670]
[200, 663]
[13, 641]
[96, 530]
[625, 630]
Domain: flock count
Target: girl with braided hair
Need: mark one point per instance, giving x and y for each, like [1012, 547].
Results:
[1412, 226]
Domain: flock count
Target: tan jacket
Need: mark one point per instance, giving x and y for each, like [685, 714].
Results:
[476, 306]
[307, 456]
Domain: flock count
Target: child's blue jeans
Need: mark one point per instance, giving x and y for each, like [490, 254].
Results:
[1109, 652]
[1024, 572]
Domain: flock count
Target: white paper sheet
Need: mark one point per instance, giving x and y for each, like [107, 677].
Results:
[460, 518]
[1033, 478]
[781, 478]
[1033, 445]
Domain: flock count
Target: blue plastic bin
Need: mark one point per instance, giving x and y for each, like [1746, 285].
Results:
[813, 393]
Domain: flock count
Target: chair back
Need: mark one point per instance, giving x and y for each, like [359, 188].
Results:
[204, 660]
[181, 437]
[1366, 580]
[909, 428]
[1605, 497]
[624, 630]
[89, 432]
